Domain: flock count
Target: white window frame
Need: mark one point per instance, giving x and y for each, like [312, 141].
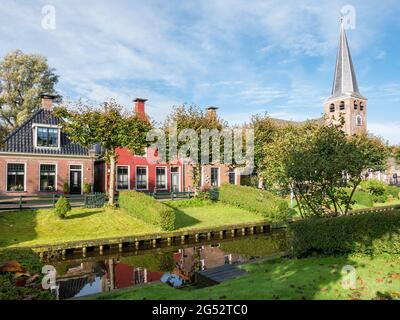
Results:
[35, 126]
[180, 178]
[234, 171]
[6, 175]
[359, 124]
[147, 178]
[129, 177]
[218, 177]
[56, 177]
[166, 178]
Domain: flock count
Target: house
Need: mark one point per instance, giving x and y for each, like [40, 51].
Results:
[39, 158]
[145, 173]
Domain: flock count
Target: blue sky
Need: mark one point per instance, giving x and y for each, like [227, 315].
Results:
[244, 57]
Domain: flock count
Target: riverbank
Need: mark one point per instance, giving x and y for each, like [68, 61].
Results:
[43, 227]
[315, 278]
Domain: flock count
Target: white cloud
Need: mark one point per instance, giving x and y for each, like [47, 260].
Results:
[390, 131]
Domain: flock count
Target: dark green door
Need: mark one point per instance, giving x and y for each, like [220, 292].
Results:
[75, 182]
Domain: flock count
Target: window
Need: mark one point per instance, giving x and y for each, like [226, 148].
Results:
[332, 108]
[47, 137]
[361, 107]
[355, 105]
[232, 176]
[342, 105]
[122, 178]
[141, 178]
[161, 178]
[47, 177]
[214, 177]
[16, 177]
[359, 121]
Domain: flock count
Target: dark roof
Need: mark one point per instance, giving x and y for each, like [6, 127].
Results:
[21, 139]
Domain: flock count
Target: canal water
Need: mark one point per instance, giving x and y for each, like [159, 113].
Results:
[79, 276]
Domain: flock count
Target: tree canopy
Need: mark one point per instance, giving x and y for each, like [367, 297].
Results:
[108, 126]
[23, 78]
[321, 165]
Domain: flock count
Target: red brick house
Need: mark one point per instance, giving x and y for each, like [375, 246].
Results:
[38, 157]
[135, 172]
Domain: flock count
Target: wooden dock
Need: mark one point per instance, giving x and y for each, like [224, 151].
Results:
[220, 274]
[154, 241]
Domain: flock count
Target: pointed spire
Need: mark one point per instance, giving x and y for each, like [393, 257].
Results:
[345, 81]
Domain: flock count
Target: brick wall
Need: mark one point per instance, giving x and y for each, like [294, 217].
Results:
[32, 167]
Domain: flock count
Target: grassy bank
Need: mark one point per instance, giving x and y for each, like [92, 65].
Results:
[316, 278]
[39, 227]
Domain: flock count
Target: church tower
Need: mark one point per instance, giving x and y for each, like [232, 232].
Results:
[346, 99]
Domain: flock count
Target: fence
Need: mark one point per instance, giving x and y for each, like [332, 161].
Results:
[93, 200]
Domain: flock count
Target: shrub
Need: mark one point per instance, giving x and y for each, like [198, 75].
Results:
[87, 188]
[195, 202]
[369, 233]
[148, 209]
[62, 207]
[393, 191]
[376, 188]
[271, 207]
[363, 198]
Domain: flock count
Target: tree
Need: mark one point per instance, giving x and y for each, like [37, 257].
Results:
[318, 161]
[192, 117]
[23, 78]
[109, 126]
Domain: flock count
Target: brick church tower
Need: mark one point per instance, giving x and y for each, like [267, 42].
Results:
[346, 99]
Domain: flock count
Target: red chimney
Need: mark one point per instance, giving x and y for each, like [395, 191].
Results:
[140, 105]
[47, 101]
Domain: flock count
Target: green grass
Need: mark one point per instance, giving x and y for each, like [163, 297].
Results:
[41, 227]
[317, 278]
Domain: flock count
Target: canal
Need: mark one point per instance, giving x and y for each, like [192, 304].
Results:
[177, 266]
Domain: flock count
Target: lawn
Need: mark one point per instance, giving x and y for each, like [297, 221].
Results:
[39, 227]
[317, 278]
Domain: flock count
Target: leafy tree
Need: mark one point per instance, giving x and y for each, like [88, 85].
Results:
[192, 117]
[62, 207]
[317, 161]
[110, 127]
[23, 78]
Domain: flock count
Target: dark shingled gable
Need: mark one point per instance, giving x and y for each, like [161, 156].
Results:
[21, 139]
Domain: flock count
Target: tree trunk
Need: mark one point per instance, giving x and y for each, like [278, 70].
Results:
[111, 191]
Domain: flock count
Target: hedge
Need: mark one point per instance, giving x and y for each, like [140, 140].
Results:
[393, 191]
[148, 209]
[264, 203]
[369, 233]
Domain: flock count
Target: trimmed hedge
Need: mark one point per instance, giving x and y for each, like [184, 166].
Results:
[393, 191]
[369, 233]
[268, 205]
[148, 209]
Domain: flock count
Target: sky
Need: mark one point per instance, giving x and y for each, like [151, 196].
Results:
[244, 57]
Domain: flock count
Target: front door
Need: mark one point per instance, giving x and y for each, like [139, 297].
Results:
[75, 182]
[174, 179]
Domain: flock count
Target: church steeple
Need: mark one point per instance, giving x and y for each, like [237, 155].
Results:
[346, 100]
[345, 81]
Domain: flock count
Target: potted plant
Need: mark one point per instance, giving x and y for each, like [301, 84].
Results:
[65, 188]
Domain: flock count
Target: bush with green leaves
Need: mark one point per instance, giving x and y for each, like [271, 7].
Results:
[87, 188]
[376, 188]
[62, 207]
[393, 191]
[264, 203]
[65, 187]
[369, 233]
[148, 209]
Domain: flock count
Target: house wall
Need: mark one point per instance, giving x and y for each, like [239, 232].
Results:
[32, 167]
[126, 158]
[206, 176]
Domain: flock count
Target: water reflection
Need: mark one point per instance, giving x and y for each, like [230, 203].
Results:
[81, 277]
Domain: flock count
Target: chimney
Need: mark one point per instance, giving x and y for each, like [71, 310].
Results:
[47, 101]
[212, 112]
[140, 105]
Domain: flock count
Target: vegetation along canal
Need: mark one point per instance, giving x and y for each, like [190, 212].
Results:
[178, 266]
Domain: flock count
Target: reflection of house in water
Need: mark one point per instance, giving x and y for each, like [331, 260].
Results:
[190, 260]
[91, 277]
